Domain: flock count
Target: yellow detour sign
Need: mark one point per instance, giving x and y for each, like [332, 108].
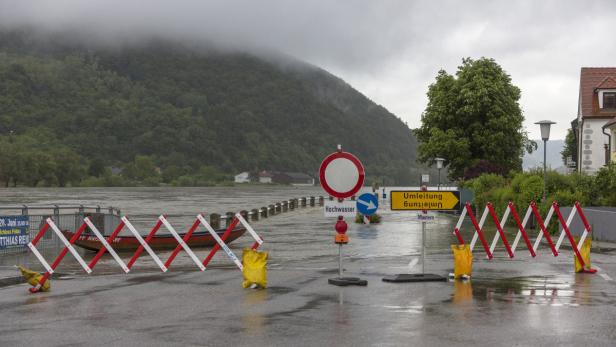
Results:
[412, 200]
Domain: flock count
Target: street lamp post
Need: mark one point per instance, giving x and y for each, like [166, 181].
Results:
[545, 135]
[439, 166]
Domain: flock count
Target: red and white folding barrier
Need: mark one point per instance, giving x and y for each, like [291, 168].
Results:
[144, 244]
[521, 225]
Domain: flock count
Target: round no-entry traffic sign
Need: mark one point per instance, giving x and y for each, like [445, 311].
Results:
[341, 174]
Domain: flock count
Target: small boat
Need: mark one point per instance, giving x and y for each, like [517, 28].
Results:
[158, 242]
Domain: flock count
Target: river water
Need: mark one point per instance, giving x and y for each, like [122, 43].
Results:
[303, 237]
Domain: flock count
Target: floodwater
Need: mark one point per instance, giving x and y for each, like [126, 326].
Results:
[520, 301]
[296, 236]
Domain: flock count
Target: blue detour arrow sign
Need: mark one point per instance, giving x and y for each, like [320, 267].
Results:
[367, 204]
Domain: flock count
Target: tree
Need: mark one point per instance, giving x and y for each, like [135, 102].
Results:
[68, 166]
[570, 148]
[471, 117]
[96, 167]
[142, 168]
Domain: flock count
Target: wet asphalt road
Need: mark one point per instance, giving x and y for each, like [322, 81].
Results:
[508, 302]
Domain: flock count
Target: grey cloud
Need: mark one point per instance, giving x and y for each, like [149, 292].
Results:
[390, 50]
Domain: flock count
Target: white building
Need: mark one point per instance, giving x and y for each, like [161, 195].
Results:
[596, 107]
[243, 177]
[265, 177]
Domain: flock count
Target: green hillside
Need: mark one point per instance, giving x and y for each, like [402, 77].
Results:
[168, 113]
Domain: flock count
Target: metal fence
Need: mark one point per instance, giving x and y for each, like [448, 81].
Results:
[65, 217]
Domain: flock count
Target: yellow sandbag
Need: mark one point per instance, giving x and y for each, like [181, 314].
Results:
[33, 278]
[462, 260]
[584, 252]
[255, 268]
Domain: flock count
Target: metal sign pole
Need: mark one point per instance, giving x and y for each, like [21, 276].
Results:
[422, 200]
[423, 248]
[339, 260]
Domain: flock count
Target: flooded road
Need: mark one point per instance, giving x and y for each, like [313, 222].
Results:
[520, 301]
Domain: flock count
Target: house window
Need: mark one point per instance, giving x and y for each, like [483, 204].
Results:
[609, 100]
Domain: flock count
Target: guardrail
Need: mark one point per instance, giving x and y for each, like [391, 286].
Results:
[66, 217]
[56, 209]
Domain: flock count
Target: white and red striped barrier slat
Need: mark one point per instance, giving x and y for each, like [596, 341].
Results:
[253, 233]
[521, 229]
[499, 228]
[181, 242]
[224, 237]
[144, 244]
[220, 241]
[568, 232]
[543, 224]
[106, 246]
[101, 251]
[478, 233]
[179, 246]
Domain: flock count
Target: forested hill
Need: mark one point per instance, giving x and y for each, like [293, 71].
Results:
[183, 111]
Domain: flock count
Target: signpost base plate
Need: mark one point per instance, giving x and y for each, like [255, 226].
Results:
[414, 278]
[347, 281]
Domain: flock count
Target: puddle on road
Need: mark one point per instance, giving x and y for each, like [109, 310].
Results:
[566, 290]
[416, 309]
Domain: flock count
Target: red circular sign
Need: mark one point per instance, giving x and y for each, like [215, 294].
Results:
[341, 174]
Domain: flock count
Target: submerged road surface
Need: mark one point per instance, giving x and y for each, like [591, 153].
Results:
[521, 301]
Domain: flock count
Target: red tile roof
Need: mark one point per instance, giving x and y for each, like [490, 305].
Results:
[607, 83]
[592, 78]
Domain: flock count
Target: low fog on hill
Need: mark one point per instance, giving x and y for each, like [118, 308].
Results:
[389, 51]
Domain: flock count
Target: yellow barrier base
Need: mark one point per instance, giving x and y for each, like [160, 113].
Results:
[585, 253]
[462, 261]
[33, 278]
[255, 268]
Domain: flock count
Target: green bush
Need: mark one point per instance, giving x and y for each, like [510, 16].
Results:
[584, 184]
[483, 185]
[374, 219]
[522, 188]
[558, 182]
[605, 185]
[92, 182]
[565, 197]
[531, 189]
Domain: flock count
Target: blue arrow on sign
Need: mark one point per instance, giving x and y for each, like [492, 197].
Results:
[367, 204]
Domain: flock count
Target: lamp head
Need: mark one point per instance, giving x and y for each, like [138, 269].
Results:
[545, 128]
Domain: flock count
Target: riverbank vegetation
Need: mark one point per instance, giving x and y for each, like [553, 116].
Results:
[38, 158]
[523, 187]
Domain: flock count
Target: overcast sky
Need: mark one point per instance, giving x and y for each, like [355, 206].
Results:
[388, 50]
